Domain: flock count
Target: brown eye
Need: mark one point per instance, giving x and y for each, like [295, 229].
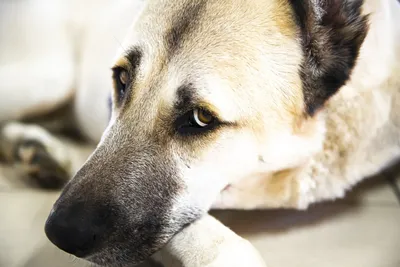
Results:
[196, 122]
[123, 81]
[202, 117]
[121, 78]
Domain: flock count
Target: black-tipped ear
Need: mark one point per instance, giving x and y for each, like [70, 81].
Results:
[332, 32]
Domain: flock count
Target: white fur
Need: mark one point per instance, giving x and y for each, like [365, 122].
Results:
[224, 248]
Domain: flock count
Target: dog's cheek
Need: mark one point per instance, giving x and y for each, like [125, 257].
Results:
[232, 158]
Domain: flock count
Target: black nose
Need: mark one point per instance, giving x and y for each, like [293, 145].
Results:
[76, 229]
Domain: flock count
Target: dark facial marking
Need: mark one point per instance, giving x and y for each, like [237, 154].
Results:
[186, 98]
[183, 24]
[134, 55]
[331, 42]
[184, 122]
[125, 196]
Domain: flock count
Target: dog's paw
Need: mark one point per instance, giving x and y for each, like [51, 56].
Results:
[37, 163]
[208, 243]
[36, 154]
[238, 253]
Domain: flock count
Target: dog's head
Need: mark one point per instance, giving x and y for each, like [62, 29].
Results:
[207, 92]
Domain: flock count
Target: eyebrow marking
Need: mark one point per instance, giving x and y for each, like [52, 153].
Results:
[188, 99]
[183, 24]
[134, 56]
[185, 97]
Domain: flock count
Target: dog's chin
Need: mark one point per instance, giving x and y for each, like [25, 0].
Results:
[110, 260]
[126, 255]
[126, 247]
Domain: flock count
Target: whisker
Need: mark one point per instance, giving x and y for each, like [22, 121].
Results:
[120, 44]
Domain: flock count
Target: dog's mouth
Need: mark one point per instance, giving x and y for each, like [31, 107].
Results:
[104, 259]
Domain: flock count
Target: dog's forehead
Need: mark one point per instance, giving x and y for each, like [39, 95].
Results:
[216, 46]
[168, 28]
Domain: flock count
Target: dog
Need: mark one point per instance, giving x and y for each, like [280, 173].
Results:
[215, 104]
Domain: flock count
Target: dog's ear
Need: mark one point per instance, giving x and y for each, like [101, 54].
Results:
[332, 32]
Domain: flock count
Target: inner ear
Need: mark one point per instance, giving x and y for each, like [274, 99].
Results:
[331, 33]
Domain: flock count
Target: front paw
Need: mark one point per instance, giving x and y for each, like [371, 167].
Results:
[34, 159]
[36, 154]
[237, 253]
[209, 243]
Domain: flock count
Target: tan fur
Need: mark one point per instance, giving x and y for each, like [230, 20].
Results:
[362, 132]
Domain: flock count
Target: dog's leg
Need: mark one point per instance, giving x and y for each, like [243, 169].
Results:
[208, 243]
[49, 160]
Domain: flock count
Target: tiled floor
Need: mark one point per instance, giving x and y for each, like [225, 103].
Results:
[361, 230]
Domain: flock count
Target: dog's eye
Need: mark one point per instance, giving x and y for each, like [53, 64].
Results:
[121, 78]
[196, 121]
[202, 118]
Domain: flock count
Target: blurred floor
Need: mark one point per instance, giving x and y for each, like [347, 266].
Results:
[361, 230]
